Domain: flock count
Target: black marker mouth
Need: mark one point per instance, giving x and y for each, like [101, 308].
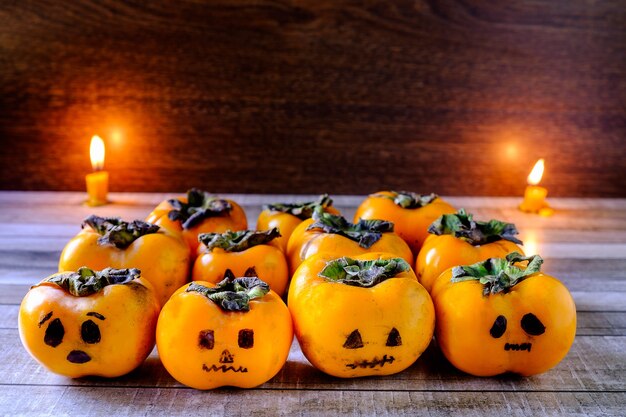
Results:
[518, 346]
[223, 368]
[78, 356]
[371, 364]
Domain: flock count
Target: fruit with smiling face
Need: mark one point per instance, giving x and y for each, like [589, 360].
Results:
[359, 316]
[236, 333]
[90, 322]
[496, 316]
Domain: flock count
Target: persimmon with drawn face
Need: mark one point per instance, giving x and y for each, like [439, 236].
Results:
[498, 316]
[362, 315]
[236, 333]
[90, 322]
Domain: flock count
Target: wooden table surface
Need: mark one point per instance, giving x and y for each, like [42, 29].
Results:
[584, 244]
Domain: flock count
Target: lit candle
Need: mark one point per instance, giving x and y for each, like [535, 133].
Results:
[535, 195]
[97, 181]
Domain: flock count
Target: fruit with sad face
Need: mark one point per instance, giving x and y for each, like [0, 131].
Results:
[236, 333]
[497, 316]
[90, 322]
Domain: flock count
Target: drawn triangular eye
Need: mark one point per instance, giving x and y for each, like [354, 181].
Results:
[394, 338]
[498, 328]
[532, 325]
[354, 340]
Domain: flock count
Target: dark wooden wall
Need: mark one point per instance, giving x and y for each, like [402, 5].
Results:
[454, 96]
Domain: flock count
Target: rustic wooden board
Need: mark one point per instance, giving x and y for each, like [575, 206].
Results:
[584, 246]
[268, 96]
[151, 401]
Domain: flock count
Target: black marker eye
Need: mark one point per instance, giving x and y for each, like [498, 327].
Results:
[206, 339]
[499, 327]
[246, 338]
[354, 341]
[90, 332]
[394, 338]
[532, 325]
[54, 333]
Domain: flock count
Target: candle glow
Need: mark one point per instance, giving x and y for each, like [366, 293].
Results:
[534, 178]
[96, 153]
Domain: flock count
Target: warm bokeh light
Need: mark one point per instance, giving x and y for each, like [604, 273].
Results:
[96, 152]
[535, 175]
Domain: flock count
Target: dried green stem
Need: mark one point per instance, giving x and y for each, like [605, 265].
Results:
[233, 294]
[363, 273]
[200, 205]
[114, 231]
[462, 226]
[365, 232]
[301, 210]
[407, 199]
[85, 281]
[497, 274]
[238, 241]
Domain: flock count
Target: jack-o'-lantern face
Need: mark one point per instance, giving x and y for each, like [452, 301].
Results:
[523, 323]
[205, 345]
[360, 316]
[105, 332]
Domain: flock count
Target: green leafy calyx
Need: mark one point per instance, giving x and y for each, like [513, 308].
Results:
[233, 294]
[365, 232]
[200, 205]
[363, 273]
[86, 281]
[238, 241]
[407, 199]
[301, 210]
[497, 274]
[462, 226]
[114, 231]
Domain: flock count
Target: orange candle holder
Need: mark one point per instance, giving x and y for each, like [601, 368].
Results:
[97, 188]
[98, 181]
[535, 195]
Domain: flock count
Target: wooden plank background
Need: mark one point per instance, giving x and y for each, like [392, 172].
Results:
[310, 96]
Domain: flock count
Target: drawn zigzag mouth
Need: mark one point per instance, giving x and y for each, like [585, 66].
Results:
[518, 346]
[371, 364]
[223, 368]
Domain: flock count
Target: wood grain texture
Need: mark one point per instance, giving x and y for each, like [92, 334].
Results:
[584, 242]
[457, 97]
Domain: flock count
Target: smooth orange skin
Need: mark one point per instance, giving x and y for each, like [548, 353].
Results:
[325, 313]
[442, 252]
[305, 243]
[235, 220]
[127, 333]
[162, 257]
[268, 261]
[186, 314]
[465, 316]
[411, 224]
[285, 222]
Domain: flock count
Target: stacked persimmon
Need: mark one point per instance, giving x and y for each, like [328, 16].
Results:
[354, 301]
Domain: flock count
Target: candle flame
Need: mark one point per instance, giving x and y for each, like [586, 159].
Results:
[535, 175]
[96, 152]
